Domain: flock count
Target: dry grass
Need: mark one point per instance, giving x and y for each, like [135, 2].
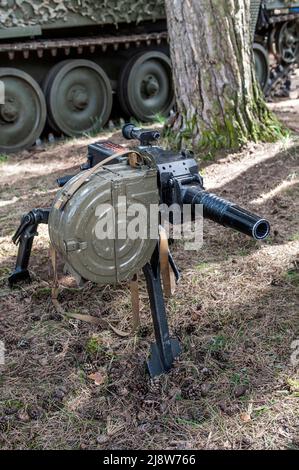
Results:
[235, 312]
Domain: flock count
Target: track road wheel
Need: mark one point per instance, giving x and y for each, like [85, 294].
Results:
[22, 111]
[262, 67]
[79, 97]
[287, 42]
[145, 86]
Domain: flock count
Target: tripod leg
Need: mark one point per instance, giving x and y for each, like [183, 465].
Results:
[24, 237]
[164, 350]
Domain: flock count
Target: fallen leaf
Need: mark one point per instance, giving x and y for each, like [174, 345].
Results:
[98, 321]
[23, 416]
[245, 417]
[98, 378]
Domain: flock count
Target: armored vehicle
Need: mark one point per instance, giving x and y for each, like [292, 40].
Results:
[103, 226]
[276, 35]
[66, 63]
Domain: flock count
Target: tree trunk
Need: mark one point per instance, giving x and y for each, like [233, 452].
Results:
[219, 102]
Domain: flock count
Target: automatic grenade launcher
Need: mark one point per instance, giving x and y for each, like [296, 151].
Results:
[146, 174]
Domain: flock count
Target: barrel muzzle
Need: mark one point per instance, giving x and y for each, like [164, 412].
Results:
[145, 136]
[227, 214]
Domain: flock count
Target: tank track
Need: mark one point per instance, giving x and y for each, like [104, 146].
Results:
[53, 45]
[279, 76]
[117, 59]
[110, 61]
[280, 73]
[283, 18]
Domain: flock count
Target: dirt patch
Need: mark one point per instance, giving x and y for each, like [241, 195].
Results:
[235, 313]
[288, 111]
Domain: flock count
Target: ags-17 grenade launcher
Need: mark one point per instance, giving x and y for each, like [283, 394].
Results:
[118, 177]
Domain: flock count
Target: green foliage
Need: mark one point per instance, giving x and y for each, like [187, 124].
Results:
[202, 266]
[96, 128]
[255, 122]
[293, 276]
[294, 237]
[294, 386]
[42, 292]
[93, 346]
[240, 378]
[159, 119]
[14, 404]
[218, 343]
[189, 422]
[3, 158]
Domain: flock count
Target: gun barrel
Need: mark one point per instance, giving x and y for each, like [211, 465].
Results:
[145, 136]
[227, 214]
[64, 179]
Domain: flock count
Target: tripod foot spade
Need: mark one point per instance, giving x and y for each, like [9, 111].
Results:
[155, 363]
[19, 275]
[164, 350]
[24, 237]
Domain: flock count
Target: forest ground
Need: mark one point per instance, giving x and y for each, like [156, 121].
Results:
[235, 311]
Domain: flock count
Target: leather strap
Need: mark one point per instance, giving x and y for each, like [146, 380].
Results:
[88, 318]
[55, 285]
[134, 158]
[167, 274]
[67, 194]
[135, 303]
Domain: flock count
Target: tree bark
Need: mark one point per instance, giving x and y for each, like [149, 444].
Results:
[218, 100]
